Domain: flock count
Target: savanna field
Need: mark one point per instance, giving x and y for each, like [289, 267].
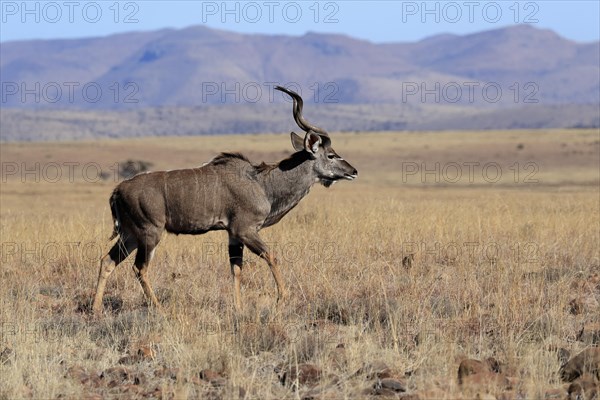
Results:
[478, 250]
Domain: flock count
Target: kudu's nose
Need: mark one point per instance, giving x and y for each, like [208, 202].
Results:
[351, 176]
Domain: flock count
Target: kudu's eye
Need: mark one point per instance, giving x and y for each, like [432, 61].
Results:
[331, 156]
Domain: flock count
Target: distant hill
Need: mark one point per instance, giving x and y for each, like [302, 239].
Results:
[446, 79]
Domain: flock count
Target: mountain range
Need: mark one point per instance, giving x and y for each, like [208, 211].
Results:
[479, 80]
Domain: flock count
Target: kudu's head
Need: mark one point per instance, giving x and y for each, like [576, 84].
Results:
[328, 165]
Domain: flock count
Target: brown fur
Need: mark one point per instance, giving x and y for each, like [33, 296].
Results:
[228, 193]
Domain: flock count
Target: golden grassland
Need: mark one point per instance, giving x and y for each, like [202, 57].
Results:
[503, 228]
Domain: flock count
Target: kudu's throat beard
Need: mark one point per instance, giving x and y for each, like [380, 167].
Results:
[327, 182]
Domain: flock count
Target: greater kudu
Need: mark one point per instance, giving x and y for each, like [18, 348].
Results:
[227, 193]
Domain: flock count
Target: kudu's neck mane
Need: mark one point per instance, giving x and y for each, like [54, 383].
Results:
[292, 173]
[287, 182]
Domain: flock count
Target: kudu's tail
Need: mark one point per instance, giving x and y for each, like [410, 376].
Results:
[114, 197]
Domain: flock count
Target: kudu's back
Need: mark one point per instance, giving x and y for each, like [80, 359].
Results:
[188, 201]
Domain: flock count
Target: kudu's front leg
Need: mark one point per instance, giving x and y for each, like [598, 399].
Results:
[236, 259]
[258, 247]
[274, 265]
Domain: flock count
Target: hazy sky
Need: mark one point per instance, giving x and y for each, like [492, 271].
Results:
[377, 21]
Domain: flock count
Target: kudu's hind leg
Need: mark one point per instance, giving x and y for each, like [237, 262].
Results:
[142, 260]
[114, 257]
[236, 259]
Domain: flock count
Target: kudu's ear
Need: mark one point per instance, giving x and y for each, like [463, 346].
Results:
[297, 141]
[312, 142]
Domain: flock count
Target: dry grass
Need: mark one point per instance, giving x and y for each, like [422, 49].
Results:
[495, 268]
